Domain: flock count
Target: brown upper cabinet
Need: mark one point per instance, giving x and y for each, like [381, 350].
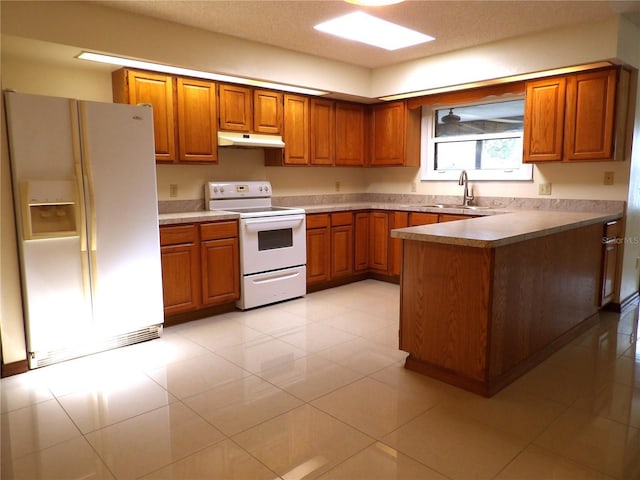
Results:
[571, 117]
[350, 134]
[134, 87]
[395, 135]
[322, 131]
[295, 134]
[184, 113]
[244, 109]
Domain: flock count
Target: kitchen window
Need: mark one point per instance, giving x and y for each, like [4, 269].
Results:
[485, 139]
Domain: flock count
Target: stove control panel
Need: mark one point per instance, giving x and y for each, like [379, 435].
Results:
[230, 190]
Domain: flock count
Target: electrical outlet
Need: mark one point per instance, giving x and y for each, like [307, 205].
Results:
[544, 189]
[608, 178]
[173, 190]
[337, 186]
[413, 187]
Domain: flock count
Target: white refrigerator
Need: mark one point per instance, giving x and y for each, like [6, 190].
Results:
[86, 207]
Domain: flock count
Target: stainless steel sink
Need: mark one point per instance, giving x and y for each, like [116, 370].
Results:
[444, 205]
[454, 205]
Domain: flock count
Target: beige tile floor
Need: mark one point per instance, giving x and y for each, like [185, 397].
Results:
[315, 388]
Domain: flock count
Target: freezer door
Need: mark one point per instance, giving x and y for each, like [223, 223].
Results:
[55, 279]
[122, 209]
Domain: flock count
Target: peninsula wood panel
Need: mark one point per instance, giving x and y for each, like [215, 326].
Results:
[480, 317]
[554, 288]
[445, 305]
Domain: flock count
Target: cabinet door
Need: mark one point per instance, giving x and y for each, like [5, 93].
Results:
[180, 278]
[590, 115]
[322, 132]
[361, 242]
[156, 90]
[235, 108]
[267, 112]
[400, 220]
[180, 261]
[220, 271]
[350, 119]
[197, 117]
[544, 112]
[388, 131]
[341, 251]
[379, 241]
[318, 248]
[296, 130]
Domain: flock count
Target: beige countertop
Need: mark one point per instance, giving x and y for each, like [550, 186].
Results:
[216, 215]
[498, 230]
[193, 217]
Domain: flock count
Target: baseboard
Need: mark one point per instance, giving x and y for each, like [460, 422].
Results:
[14, 368]
[628, 302]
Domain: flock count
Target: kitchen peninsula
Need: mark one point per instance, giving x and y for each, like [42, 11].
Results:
[484, 300]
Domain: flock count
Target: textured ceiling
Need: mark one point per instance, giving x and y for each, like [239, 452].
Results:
[455, 24]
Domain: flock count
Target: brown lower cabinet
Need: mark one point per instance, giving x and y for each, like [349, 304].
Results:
[200, 265]
[330, 247]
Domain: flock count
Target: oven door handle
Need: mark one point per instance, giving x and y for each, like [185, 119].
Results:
[276, 277]
[274, 223]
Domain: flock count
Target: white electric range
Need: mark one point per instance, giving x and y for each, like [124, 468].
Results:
[273, 245]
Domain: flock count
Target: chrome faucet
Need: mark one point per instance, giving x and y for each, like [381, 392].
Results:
[467, 197]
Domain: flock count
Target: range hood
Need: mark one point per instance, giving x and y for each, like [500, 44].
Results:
[239, 139]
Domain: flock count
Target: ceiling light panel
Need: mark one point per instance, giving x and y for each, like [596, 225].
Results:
[365, 28]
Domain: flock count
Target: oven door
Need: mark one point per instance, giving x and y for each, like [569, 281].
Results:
[272, 243]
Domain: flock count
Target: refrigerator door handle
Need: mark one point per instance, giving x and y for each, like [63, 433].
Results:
[81, 215]
[91, 214]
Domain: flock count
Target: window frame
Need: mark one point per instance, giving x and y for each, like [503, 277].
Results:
[427, 148]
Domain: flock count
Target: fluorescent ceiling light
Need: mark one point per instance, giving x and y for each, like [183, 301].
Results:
[368, 29]
[158, 67]
[374, 3]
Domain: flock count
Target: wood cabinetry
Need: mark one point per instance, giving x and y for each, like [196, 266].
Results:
[322, 127]
[179, 253]
[399, 220]
[200, 265]
[350, 134]
[395, 135]
[220, 265]
[244, 109]
[184, 113]
[134, 87]
[341, 244]
[361, 242]
[267, 112]
[610, 254]
[296, 130]
[379, 242]
[236, 109]
[571, 118]
[197, 114]
[452, 217]
[318, 248]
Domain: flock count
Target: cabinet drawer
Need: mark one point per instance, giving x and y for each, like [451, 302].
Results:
[178, 235]
[613, 229]
[317, 221]
[218, 230]
[341, 218]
